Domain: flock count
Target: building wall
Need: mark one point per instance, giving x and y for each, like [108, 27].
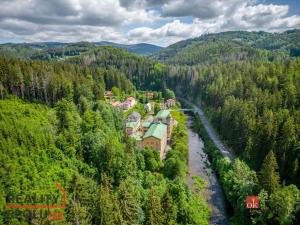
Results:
[144, 130]
[170, 126]
[130, 130]
[155, 143]
[140, 144]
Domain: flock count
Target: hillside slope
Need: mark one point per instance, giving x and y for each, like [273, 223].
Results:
[57, 50]
[233, 45]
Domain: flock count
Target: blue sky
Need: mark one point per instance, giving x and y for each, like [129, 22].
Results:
[294, 5]
[160, 22]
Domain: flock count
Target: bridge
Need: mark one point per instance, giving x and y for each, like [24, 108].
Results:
[183, 110]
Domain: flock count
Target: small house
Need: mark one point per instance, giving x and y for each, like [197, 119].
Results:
[133, 123]
[148, 107]
[170, 103]
[133, 117]
[131, 101]
[149, 95]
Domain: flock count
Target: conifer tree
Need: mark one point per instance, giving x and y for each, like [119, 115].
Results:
[154, 212]
[269, 176]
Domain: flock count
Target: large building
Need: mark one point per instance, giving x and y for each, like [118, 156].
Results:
[133, 123]
[151, 132]
[156, 138]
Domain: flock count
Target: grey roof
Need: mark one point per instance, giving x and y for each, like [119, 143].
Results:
[134, 116]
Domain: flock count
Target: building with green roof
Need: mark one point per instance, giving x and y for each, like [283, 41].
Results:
[132, 127]
[156, 137]
[163, 116]
[157, 130]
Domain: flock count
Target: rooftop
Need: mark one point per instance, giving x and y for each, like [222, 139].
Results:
[131, 124]
[135, 116]
[163, 114]
[146, 124]
[170, 100]
[157, 130]
[149, 118]
[130, 98]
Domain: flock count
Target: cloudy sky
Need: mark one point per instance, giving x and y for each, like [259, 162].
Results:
[160, 22]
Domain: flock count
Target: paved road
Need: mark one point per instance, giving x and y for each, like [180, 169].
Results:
[211, 132]
[199, 166]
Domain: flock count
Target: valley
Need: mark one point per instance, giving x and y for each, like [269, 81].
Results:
[106, 124]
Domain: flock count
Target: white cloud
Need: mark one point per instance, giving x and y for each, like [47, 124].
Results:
[73, 12]
[132, 21]
[203, 9]
[245, 17]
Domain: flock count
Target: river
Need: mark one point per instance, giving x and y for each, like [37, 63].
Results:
[199, 166]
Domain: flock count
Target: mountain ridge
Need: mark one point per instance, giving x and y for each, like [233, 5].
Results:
[54, 50]
[198, 50]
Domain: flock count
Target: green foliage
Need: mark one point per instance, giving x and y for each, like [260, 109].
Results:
[238, 181]
[59, 51]
[49, 82]
[116, 91]
[142, 72]
[83, 148]
[283, 204]
[169, 94]
[233, 45]
[176, 159]
[152, 160]
[269, 176]
[153, 209]
[254, 107]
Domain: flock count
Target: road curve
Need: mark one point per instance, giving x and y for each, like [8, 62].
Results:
[210, 130]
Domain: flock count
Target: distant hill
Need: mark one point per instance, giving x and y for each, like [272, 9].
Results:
[145, 73]
[57, 50]
[141, 48]
[231, 45]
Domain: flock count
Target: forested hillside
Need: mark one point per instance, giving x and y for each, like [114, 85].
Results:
[55, 127]
[50, 82]
[249, 85]
[234, 45]
[141, 48]
[58, 51]
[255, 107]
[143, 72]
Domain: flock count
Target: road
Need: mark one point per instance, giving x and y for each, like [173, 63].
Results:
[211, 132]
[199, 166]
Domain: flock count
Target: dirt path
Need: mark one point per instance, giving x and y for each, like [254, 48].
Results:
[211, 132]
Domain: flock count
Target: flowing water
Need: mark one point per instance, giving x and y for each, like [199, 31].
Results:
[199, 166]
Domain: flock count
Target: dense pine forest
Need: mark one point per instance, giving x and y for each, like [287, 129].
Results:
[56, 126]
[253, 102]
[255, 106]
